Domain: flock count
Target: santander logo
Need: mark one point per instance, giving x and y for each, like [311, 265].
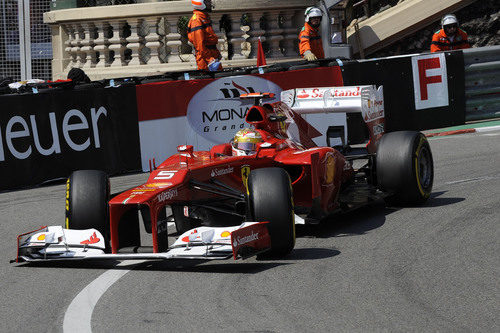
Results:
[216, 112]
[373, 107]
[221, 172]
[245, 239]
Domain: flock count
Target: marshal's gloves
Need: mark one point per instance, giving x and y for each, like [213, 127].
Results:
[309, 56]
[214, 65]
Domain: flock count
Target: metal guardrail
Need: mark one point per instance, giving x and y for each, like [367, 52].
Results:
[482, 83]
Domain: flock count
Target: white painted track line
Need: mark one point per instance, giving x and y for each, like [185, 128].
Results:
[78, 316]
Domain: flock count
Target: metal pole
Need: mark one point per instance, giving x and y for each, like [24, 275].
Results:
[23, 16]
[3, 42]
[22, 42]
[27, 37]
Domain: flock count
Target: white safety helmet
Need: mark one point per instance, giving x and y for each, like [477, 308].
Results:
[449, 19]
[313, 12]
[199, 4]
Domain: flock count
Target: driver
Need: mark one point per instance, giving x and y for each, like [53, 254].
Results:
[245, 142]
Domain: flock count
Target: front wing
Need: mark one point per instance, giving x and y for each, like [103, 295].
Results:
[57, 244]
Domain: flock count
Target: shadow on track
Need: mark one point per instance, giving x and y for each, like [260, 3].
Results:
[364, 219]
[354, 223]
[311, 254]
[209, 267]
[435, 201]
[199, 266]
[165, 265]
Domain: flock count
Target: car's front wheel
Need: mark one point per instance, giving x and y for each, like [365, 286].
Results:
[270, 199]
[87, 196]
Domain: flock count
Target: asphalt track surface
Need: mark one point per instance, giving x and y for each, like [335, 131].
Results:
[422, 269]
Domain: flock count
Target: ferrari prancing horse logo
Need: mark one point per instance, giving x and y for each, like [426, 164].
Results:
[245, 172]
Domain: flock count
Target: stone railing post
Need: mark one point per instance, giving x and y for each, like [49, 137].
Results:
[274, 33]
[255, 32]
[153, 40]
[80, 43]
[235, 36]
[290, 34]
[173, 39]
[117, 44]
[71, 46]
[102, 45]
[88, 45]
[135, 41]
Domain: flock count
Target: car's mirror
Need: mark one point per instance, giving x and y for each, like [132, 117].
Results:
[275, 117]
[185, 150]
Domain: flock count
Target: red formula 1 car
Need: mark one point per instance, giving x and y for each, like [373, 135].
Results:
[244, 197]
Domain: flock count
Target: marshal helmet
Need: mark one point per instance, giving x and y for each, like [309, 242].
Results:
[312, 12]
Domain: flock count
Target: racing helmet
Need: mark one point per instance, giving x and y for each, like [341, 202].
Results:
[245, 142]
[449, 19]
[313, 12]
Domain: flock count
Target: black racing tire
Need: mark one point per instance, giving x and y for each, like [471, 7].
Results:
[87, 197]
[404, 167]
[270, 199]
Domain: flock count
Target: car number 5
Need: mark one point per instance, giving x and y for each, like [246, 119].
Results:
[165, 175]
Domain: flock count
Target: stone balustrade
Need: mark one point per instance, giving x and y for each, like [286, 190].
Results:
[150, 38]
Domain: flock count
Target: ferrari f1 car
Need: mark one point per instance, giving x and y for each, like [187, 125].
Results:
[244, 197]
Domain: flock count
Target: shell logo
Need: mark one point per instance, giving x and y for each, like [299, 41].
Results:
[41, 237]
[225, 234]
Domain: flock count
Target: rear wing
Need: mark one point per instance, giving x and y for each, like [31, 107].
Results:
[367, 100]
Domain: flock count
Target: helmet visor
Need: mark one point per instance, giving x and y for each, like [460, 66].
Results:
[248, 146]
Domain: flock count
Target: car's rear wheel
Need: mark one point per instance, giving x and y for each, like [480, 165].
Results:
[405, 167]
[87, 196]
[270, 199]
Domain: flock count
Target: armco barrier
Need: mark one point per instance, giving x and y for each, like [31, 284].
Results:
[482, 83]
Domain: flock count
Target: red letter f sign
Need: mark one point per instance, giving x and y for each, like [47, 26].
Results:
[430, 81]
